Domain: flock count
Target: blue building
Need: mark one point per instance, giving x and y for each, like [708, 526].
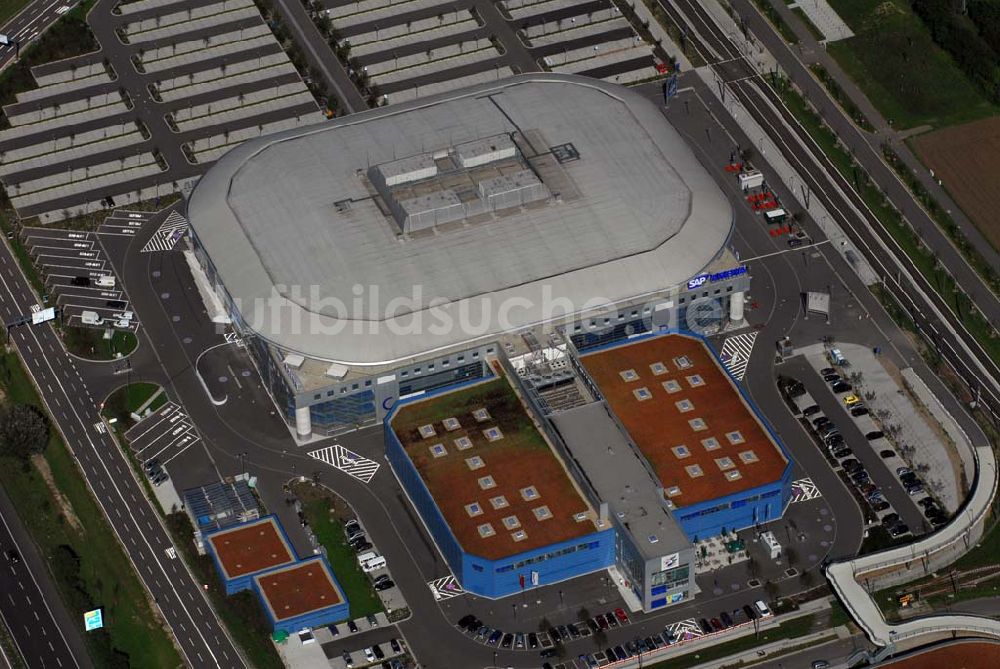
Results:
[301, 595]
[513, 571]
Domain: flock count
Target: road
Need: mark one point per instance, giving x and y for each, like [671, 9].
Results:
[319, 55]
[44, 633]
[926, 307]
[31, 22]
[74, 411]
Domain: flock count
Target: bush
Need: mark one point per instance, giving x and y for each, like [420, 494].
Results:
[24, 431]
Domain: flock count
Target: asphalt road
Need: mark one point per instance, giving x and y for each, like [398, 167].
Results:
[41, 628]
[73, 409]
[27, 25]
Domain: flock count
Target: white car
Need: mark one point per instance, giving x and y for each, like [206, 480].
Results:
[369, 655]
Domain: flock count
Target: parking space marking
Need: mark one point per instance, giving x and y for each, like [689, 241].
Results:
[70, 257]
[169, 233]
[123, 223]
[445, 588]
[804, 490]
[735, 354]
[347, 461]
[163, 435]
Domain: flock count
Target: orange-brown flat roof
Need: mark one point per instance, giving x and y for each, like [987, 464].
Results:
[251, 547]
[964, 655]
[660, 424]
[299, 588]
[520, 459]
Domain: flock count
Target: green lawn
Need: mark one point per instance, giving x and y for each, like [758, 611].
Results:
[9, 9]
[356, 584]
[906, 76]
[88, 564]
[90, 343]
[787, 630]
[126, 400]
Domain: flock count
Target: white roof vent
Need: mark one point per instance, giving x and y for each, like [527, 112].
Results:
[336, 371]
[294, 360]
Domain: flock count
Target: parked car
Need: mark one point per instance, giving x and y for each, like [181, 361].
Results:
[396, 647]
[851, 465]
[751, 612]
[938, 521]
[363, 546]
[811, 410]
[622, 616]
[373, 621]
[532, 640]
[348, 662]
[898, 530]
[860, 476]
[841, 453]
[574, 631]
[832, 377]
[727, 620]
[333, 630]
[868, 489]
[519, 640]
[874, 434]
[547, 653]
[353, 626]
[828, 370]
[821, 421]
[927, 501]
[915, 489]
[841, 387]
[881, 505]
[369, 655]
[612, 620]
[851, 400]
[621, 652]
[602, 622]
[834, 441]
[887, 453]
[859, 410]
[890, 519]
[379, 655]
[705, 627]
[381, 586]
[494, 638]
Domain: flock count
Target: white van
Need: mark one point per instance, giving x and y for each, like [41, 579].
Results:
[374, 564]
[106, 281]
[762, 608]
[365, 557]
[91, 318]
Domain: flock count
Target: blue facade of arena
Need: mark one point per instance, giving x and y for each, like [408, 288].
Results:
[315, 618]
[747, 508]
[495, 578]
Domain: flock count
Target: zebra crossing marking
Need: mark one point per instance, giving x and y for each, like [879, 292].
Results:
[686, 629]
[804, 490]
[347, 461]
[168, 234]
[735, 354]
[445, 588]
[233, 338]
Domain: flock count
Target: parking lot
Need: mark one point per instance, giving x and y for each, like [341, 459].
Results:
[80, 278]
[163, 435]
[123, 222]
[894, 497]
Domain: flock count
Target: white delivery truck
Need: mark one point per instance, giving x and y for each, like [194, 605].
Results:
[90, 318]
[751, 179]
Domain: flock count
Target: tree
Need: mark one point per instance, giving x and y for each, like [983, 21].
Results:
[24, 431]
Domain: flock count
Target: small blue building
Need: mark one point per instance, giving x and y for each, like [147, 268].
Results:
[240, 551]
[301, 595]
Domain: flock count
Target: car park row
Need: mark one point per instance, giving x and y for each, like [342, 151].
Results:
[546, 642]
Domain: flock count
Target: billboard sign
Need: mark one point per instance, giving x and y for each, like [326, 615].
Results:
[43, 315]
[675, 597]
[671, 561]
[699, 281]
[93, 620]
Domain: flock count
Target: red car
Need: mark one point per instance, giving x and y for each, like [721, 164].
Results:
[622, 616]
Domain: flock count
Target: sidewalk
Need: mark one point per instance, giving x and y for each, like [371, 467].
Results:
[813, 52]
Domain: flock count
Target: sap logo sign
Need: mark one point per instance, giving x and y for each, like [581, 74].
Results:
[697, 282]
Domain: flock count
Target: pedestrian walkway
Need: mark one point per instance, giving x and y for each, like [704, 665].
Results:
[170, 232]
[735, 354]
[826, 20]
[347, 461]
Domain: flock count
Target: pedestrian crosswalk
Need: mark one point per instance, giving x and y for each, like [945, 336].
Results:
[735, 353]
[347, 461]
[168, 234]
[804, 490]
[446, 588]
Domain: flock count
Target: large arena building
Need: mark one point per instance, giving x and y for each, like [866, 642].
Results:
[498, 274]
[385, 253]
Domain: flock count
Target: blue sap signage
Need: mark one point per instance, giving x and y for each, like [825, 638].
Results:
[699, 281]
